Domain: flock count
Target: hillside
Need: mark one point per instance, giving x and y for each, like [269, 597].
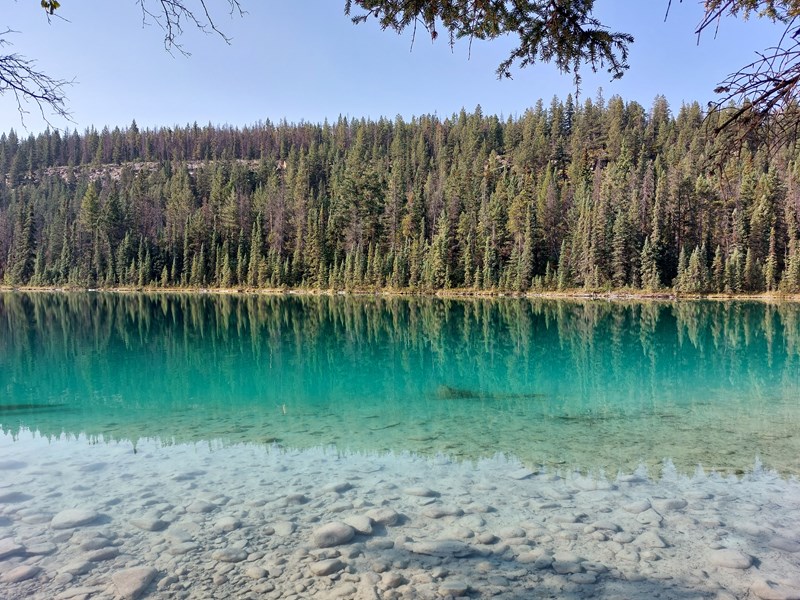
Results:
[602, 194]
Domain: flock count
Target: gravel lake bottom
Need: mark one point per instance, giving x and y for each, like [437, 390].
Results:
[84, 519]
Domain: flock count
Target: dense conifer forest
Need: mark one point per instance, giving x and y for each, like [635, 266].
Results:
[595, 195]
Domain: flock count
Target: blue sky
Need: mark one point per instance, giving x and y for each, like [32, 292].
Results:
[304, 60]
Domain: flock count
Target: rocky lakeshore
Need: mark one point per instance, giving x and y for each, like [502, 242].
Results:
[82, 520]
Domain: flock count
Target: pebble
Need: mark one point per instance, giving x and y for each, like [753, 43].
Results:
[604, 526]
[345, 590]
[149, 523]
[77, 568]
[784, 544]
[392, 580]
[95, 543]
[773, 590]
[508, 533]
[332, 534]
[284, 528]
[628, 555]
[11, 497]
[296, 499]
[730, 559]
[21, 573]
[360, 523]
[649, 517]
[442, 548]
[568, 518]
[563, 567]
[41, 549]
[8, 547]
[130, 583]
[650, 539]
[487, 538]
[73, 517]
[79, 592]
[339, 487]
[200, 507]
[256, 572]
[421, 491]
[520, 474]
[583, 578]
[229, 555]
[182, 548]
[453, 587]
[326, 567]
[384, 515]
[227, 524]
[102, 555]
[667, 504]
[438, 512]
[637, 507]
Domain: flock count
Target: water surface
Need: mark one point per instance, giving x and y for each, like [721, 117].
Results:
[570, 384]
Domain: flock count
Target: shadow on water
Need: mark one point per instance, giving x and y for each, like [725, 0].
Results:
[447, 392]
[582, 383]
[35, 408]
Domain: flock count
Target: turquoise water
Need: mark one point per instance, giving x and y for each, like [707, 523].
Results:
[569, 384]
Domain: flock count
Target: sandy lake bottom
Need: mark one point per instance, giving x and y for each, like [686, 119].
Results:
[82, 519]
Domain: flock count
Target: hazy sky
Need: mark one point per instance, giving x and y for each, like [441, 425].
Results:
[304, 60]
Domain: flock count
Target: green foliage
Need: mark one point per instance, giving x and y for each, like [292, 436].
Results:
[464, 202]
[563, 32]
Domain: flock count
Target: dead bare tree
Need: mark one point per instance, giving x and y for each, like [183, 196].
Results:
[760, 100]
[20, 77]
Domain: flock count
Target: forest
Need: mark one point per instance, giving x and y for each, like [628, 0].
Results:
[591, 195]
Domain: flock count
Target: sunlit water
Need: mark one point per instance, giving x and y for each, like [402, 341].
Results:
[564, 384]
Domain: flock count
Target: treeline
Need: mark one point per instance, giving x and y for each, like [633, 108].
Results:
[602, 194]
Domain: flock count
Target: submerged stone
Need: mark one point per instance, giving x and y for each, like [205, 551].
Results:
[774, 590]
[332, 534]
[442, 548]
[730, 559]
[326, 567]
[130, 583]
[21, 573]
[73, 517]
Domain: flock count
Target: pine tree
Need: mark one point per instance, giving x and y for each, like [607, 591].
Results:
[681, 281]
[563, 276]
[620, 258]
[255, 254]
[771, 264]
[649, 269]
[487, 278]
[718, 271]
[695, 278]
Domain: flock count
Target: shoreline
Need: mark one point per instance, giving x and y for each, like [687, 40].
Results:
[621, 295]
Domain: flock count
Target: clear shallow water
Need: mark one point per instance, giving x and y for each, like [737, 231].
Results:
[586, 385]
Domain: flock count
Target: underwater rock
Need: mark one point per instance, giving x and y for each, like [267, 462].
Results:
[73, 517]
[333, 534]
[441, 548]
[447, 392]
[326, 567]
[21, 573]
[730, 559]
[130, 583]
[384, 516]
[8, 547]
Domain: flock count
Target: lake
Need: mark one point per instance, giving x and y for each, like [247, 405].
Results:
[586, 385]
[148, 413]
